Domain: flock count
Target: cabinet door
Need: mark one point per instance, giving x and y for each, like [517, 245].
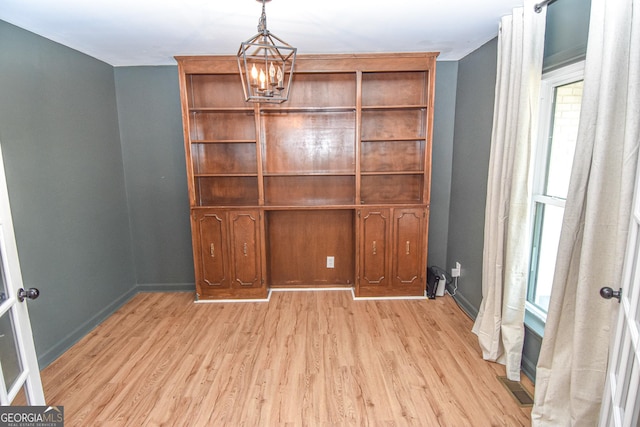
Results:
[408, 248]
[374, 248]
[245, 249]
[211, 252]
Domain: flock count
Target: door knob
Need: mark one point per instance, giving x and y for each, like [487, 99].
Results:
[31, 293]
[608, 293]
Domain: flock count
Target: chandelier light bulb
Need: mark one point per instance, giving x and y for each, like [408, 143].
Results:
[254, 75]
[272, 74]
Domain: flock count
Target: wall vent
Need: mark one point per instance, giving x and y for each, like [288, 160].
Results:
[519, 393]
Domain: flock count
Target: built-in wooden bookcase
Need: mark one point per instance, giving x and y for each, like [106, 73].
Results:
[289, 185]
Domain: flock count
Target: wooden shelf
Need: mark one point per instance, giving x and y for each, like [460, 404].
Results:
[393, 107]
[405, 172]
[393, 139]
[224, 159]
[392, 155]
[221, 110]
[315, 204]
[316, 173]
[395, 88]
[228, 190]
[310, 207]
[213, 92]
[285, 110]
[222, 175]
[392, 188]
[310, 190]
[221, 126]
[381, 124]
[321, 91]
[223, 141]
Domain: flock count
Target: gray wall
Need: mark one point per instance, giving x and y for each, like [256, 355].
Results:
[566, 33]
[565, 42]
[471, 146]
[156, 181]
[442, 157]
[59, 136]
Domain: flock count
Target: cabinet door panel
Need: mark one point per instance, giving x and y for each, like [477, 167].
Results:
[212, 258]
[408, 251]
[245, 248]
[374, 237]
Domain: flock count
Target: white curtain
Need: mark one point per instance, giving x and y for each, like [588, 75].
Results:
[573, 359]
[499, 324]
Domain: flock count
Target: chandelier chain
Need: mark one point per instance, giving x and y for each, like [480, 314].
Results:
[262, 23]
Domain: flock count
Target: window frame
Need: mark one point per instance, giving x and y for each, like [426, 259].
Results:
[535, 317]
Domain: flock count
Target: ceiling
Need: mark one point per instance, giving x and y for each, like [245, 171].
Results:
[151, 32]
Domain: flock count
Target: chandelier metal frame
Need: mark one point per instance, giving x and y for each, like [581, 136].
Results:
[266, 65]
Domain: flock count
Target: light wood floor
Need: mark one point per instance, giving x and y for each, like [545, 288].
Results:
[302, 359]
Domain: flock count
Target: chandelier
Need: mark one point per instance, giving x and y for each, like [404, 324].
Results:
[266, 65]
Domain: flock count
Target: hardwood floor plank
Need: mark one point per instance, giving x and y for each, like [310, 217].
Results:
[304, 358]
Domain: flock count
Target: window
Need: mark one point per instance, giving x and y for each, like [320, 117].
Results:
[561, 98]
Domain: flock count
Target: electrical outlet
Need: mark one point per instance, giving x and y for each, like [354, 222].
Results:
[455, 272]
[330, 262]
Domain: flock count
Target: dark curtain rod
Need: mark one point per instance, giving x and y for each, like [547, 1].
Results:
[538, 7]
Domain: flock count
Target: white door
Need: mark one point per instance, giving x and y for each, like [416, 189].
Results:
[619, 403]
[18, 362]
